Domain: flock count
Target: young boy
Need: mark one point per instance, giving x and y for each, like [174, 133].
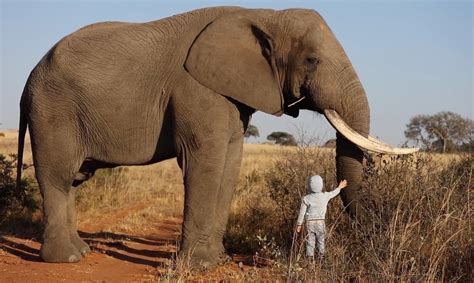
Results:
[313, 206]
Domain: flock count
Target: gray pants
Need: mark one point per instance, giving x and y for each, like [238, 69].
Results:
[316, 234]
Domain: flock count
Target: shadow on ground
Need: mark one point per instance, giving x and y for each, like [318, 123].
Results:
[150, 251]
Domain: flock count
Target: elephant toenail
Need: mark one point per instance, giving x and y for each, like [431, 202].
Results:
[73, 258]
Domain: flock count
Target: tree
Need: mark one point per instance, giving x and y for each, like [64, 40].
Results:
[331, 143]
[252, 131]
[442, 132]
[282, 138]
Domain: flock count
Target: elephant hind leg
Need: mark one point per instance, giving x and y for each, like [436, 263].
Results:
[57, 159]
[80, 245]
[86, 171]
[57, 244]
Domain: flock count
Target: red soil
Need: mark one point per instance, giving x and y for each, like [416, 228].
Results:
[116, 257]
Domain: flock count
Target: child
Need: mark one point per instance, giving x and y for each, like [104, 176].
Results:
[313, 206]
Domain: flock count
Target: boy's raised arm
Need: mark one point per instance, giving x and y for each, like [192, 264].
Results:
[342, 184]
[337, 190]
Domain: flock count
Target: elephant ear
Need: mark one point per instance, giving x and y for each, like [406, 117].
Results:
[233, 56]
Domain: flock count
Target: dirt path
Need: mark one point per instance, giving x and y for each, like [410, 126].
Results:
[118, 254]
[116, 257]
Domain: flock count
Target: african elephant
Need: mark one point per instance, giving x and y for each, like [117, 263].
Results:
[118, 93]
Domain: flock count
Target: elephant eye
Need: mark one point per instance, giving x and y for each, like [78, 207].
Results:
[311, 61]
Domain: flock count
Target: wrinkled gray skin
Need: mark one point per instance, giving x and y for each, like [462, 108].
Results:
[186, 86]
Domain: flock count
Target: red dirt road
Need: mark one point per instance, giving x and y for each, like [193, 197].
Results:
[116, 257]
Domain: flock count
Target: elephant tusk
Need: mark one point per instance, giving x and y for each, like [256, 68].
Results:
[372, 139]
[297, 101]
[370, 143]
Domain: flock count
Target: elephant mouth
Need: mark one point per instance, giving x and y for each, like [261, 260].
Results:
[369, 143]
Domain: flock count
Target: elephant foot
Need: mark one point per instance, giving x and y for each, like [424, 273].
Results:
[59, 251]
[200, 257]
[203, 260]
[206, 253]
[80, 245]
[224, 258]
[218, 249]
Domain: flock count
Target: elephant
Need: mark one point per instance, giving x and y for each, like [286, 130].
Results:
[185, 87]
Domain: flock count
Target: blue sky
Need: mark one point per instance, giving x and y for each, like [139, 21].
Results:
[413, 57]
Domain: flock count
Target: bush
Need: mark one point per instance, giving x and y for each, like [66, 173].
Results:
[266, 204]
[287, 184]
[17, 206]
[418, 229]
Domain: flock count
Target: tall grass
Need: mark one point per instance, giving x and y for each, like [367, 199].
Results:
[417, 227]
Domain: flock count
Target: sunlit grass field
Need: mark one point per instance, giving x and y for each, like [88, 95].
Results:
[417, 227]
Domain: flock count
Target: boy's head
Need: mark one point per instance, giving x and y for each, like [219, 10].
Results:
[315, 184]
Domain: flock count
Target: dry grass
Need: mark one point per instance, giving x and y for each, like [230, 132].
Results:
[419, 226]
[8, 145]
[156, 188]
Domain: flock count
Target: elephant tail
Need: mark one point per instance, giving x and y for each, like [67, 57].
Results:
[21, 145]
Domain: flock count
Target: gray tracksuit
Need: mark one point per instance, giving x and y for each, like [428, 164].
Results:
[313, 207]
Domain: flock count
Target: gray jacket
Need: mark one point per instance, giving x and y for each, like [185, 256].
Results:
[314, 204]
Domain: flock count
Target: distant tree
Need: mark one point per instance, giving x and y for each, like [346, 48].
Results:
[441, 132]
[467, 146]
[331, 143]
[252, 131]
[282, 138]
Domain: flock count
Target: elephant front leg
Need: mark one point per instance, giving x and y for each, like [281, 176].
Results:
[230, 178]
[202, 167]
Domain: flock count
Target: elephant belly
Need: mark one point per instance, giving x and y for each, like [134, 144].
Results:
[124, 127]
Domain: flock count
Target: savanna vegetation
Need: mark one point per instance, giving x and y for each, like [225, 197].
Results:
[441, 132]
[416, 227]
[252, 131]
[282, 138]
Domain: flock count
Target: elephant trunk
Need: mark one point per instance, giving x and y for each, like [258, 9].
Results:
[348, 155]
[344, 103]
[337, 92]
[349, 167]
[350, 116]
[354, 110]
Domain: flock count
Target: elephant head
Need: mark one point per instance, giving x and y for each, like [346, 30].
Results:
[283, 61]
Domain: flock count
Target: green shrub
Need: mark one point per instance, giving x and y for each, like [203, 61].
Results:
[17, 206]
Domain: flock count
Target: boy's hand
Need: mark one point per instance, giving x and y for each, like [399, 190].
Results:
[342, 184]
[298, 228]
